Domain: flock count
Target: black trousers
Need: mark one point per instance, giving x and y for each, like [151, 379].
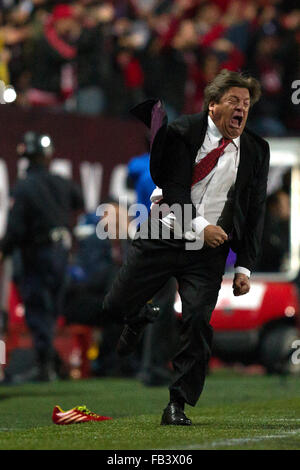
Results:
[159, 348]
[41, 285]
[149, 265]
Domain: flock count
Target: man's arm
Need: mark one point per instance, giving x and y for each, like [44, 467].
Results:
[16, 224]
[249, 246]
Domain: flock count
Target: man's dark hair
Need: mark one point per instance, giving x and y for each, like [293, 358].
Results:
[227, 79]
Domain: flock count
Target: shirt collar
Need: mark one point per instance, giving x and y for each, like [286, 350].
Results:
[216, 135]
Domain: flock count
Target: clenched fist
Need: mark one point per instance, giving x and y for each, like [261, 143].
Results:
[214, 236]
[241, 284]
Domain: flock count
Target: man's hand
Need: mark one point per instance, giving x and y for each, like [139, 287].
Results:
[214, 236]
[241, 284]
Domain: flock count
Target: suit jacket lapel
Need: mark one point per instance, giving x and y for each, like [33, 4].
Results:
[246, 163]
[196, 132]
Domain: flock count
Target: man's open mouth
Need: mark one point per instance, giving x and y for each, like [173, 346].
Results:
[236, 121]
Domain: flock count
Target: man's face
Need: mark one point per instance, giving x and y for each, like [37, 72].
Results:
[231, 113]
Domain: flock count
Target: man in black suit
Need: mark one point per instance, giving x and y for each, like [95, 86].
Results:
[211, 176]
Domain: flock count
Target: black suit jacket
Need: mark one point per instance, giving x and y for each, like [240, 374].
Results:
[173, 154]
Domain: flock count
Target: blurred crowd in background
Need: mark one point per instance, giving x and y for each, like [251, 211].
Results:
[102, 57]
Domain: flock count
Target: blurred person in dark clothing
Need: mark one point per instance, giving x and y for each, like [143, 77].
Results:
[39, 227]
[267, 63]
[127, 74]
[94, 64]
[131, 76]
[165, 67]
[53, 78]
[269, 71]
[276, 234]
[15, 34]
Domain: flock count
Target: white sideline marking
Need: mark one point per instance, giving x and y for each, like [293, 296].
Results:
[287, 419]
[242, 440]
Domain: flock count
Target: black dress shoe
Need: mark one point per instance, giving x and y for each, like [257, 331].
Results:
[174, 415]
[133, 332]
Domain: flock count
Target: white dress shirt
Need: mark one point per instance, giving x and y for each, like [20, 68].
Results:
[211, 193]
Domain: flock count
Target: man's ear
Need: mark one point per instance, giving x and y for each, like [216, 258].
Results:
[211, 108]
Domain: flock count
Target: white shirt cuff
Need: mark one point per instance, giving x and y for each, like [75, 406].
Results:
[241, 270]
[156, 195]
[199, 224]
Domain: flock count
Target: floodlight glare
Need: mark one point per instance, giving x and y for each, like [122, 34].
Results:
[9, 94]
[45, 141]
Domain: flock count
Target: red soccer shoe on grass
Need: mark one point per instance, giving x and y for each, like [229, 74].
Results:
[79, 414]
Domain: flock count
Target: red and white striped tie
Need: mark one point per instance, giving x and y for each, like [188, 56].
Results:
[206, 164]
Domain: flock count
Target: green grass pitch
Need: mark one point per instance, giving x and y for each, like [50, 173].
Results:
[234, 412]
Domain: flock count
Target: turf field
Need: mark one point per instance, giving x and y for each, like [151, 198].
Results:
[235, 412]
